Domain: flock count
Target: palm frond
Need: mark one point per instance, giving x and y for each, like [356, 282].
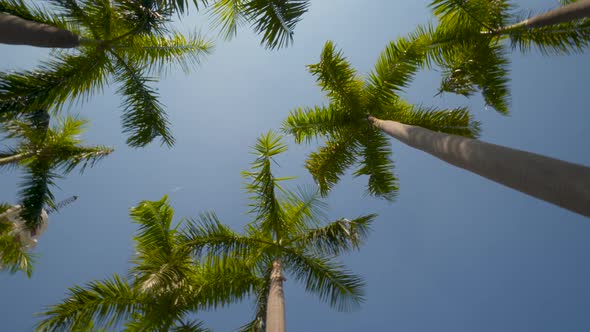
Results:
[157, 53]
[337, 77]
[144, 117]
[557, 39]
[330, 162]
[181, 6]
[275, 19]
[337, 237]
[53, 83]
[327, 279]
[377, 164]
[154, 219]
[303, 208]
[190, 326]
[308, 123]
[106, 303]
[31, 12]
[228, 15]
[265, 205]
[473, 15]
[35, 193]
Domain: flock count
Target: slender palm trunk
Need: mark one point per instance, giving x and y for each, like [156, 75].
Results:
[275, 308]
[567, 13]
[13, 159]
[18, 31]
[555, 181]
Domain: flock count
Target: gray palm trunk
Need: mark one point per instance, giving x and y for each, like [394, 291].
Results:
[555, 181]
[13, 159]
[275, 308]
[18, 31]
[567, 13]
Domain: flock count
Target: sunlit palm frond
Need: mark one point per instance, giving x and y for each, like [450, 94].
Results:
[144, 117]
[335, 238]
[564, 38]
[330, 161]
[325, 278]
[308, 123]
[208, 236]
[154, 219]
[262, 186]
[31, 12]
[303, 208]
[106, 303]
[337, 77]
[376, 163]
[472, 15]
[189, 326]
[157, 53]
[275, 19]
[35, 192]
[228, 15]
[53, 83]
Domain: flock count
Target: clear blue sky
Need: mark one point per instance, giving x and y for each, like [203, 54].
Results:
[455, 252]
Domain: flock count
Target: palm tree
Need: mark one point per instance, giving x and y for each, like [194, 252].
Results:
[352, 122]
[164, 286]
[41, 150]
[119, 40]
[351, 139]
[287, 234]
[468, 42]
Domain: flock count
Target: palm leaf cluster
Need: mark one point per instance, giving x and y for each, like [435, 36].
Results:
[45, 153]
[203, 264]
[13, 257]
[128, 42]
[472, 37]
[351, 141]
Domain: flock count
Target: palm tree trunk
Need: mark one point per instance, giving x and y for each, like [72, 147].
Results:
[18, 31]
[567, 13]
[275, 309]
[555, 181]
[13, 159]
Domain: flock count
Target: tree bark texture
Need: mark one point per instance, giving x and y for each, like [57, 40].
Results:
[567, 13]
[275, 309]
[18, 31]
[555, 181]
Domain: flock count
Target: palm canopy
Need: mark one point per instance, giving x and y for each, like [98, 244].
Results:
[275, 20]
[163, 288]
[351, 139]
[124, 41]
[288, 226]
[468, 43]
[42, 151]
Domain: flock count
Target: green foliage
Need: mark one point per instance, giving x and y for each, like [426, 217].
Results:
[43, 151]
[351, 141]
[123, 41]
[13, 257]
[288, 226]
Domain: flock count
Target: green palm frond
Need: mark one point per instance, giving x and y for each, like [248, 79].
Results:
[31, 12]
[181, 6]
[330, 162]
[158, 53]
[337, 77]
[265, 205]
[106, 303]
[337, 237]
[53, 83]
[471, 14]
[208, 235]
[13, 257]
[154, 219]
[35, 193]
[275, 19]
[377, 165]
[325, 278]
[303, 208]
[144, 117]
[308, 123]
[557, 39]
[227, 15]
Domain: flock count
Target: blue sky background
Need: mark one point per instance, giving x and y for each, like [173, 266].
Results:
[455, 252]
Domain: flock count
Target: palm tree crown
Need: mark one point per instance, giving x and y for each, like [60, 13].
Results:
[122, 41]
[288, 229]
[351, 139]
[41, 150]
